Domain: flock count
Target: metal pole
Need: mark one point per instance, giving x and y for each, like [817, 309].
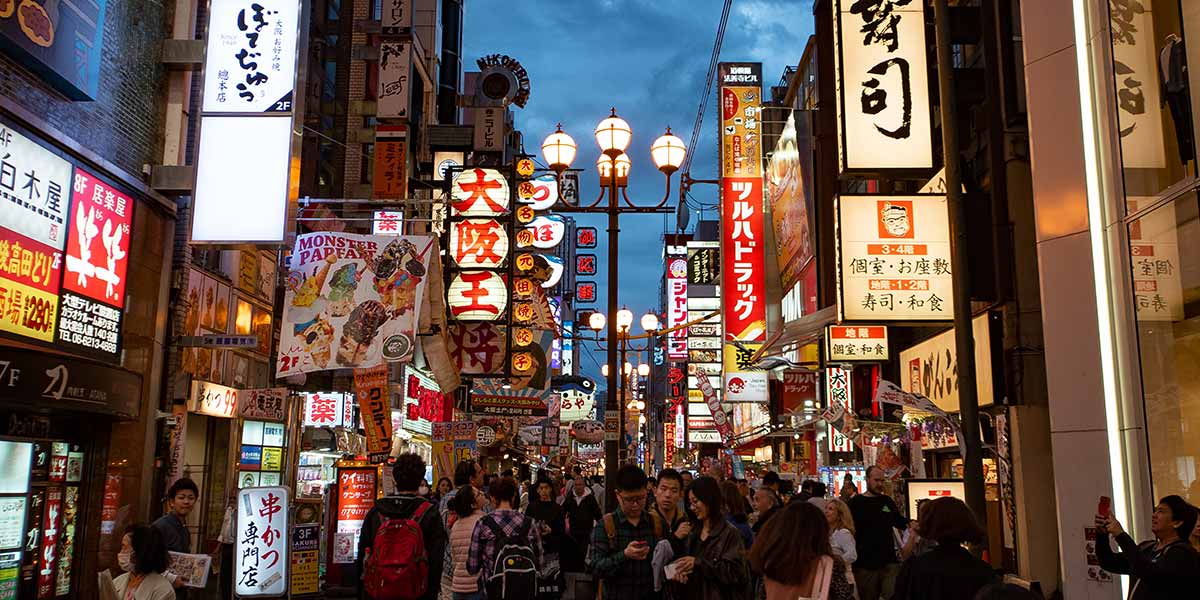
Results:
[611, 452]
[968, 396]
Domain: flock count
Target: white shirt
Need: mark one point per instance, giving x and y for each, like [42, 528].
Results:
[843, 545]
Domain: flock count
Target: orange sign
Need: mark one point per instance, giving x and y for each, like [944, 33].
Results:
[390, 179]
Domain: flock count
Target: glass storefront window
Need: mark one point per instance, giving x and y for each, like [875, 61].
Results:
[1165, 257]
[1153, 93]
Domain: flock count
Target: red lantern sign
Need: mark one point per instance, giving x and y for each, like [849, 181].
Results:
[585, 291]
[477, 295]
[479, 243]
[585, 237]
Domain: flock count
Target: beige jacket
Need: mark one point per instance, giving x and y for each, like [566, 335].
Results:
[154, 587]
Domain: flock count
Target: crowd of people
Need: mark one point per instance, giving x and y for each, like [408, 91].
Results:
[678, 536]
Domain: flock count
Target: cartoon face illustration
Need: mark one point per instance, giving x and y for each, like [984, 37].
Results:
[895, 220]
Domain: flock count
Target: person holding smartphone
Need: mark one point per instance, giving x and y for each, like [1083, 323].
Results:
[620, 551]
[1164, 567]
[714, 565]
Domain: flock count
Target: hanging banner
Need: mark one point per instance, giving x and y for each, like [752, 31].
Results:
[743, 274]
[882, 85]
[394, 91]
[268, 404]
[838, 395]
[363, 291]
[720, 419]
[374, 406]
[895, 258]
[261, 553]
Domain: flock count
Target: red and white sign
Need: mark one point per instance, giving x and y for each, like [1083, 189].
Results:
[423, 402]
[799, 391]
[51, 521]
[477, 296]
[328, 409]
[261, 557]
[545, 232]
[845, 344]
[743, 272]
[543, 192]
[98, 240]
[479, 243]
[388, 222]
[720, 419]
[677, 308]
[837, 391]
[479, 193]
[213, 399]
[356, 497]
[895, 258]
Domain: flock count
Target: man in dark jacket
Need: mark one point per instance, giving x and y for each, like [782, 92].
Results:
[1164, 567]
[582, 511]
[408, 473]
[875, 516]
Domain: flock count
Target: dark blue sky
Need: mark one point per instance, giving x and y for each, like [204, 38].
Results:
[649, 59]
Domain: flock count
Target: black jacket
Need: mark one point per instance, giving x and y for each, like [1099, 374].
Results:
[551, 514]
[1169, 573]
[432, 531]
[721, 571]
[581, 516]
[943, 573]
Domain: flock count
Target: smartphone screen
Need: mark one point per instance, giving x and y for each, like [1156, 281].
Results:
[1105, 506]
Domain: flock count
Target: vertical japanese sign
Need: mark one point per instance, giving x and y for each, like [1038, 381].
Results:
[895, 258]
[35, 185]
[1154, 249]
[837, 392]
[178, 441]
[390, 178]
[489, 129]
[371, 387]
[261, 555]
[1136, 70]
[744, 271]
[395, 91]
[51, 522]
[356, 497]
[306, 559]
[397, 15]
[244, 159]
[883, 85]
[719, 417]
[677, 299]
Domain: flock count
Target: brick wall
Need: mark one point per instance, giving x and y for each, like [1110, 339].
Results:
[124, 123]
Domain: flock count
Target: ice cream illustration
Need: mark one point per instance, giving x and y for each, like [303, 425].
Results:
[317, 337]
[307, 289]
[360, 330]
[397, 273]
[341, 289]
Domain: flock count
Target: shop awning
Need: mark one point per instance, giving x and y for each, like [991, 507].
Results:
[805, 330]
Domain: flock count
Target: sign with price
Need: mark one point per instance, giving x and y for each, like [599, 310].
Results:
[306, 543]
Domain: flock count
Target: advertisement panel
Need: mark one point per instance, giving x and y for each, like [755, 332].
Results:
[328, 409]
[211, 399]
[677, 288]
[242, 170]
[930, 368]
[743, 274]
[497, 397]
[743, 383]
[849, 344]
[367, 288]
[423, 401]
[789, 190]
[356, 497]
[883, 86]
[720, 418]
[261, 557]
[395, 91]
[371, 388]
[895, 258]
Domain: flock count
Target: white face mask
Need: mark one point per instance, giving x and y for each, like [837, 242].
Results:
[125, 559]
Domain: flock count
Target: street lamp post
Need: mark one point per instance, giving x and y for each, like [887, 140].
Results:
[613, 135]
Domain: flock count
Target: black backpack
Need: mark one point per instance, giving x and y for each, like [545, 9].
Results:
[514, 573]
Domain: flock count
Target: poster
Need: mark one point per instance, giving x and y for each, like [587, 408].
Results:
[374, 405]
[352, 301]
[356, 496]
[789, 194]
[261, 552]
[192, 567]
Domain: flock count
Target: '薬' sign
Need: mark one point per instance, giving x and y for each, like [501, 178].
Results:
[261, 559]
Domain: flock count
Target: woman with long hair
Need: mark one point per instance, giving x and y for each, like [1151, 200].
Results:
[795, 559]
[841, 529]
[466, 507]
[948, 570]
[714, 563]
[143, 557]
[444, 485]
[736, 511]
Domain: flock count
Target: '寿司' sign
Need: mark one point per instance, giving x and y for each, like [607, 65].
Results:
[895, 258]
[261, 558]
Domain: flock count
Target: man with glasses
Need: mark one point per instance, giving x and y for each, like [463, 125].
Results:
[620, 552]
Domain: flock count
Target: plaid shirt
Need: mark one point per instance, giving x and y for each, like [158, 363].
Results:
[484, 544]
[624, 579]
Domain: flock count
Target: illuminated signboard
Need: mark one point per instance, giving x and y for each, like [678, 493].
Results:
[388, 222]
[677, 309]
[585, 264]
[328, 409]
[477, 296]
[585, 237]
[895, 258]
[479, 193]
[883, 85]
[479, 243]
[585, 292]
[837, 392]
[423, 401]
[845, 344]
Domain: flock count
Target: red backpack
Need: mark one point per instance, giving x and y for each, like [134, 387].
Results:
[396, 566]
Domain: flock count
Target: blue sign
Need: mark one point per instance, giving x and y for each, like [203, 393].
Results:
[62, 44]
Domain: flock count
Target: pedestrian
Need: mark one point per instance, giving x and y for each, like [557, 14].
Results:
[849, 490]
[948, 571]
[582, 511]
[1164, 567]
[714, 565]
[597, 484]
[651, 485]
[620, 550]
[669, 509]
[875, 516]
[549, 516]
[817, 492]
[766, 503]
[1195, 538]
[841, 529]
[181, 499]
[687, 478]
[747, 494]
[736, 511]
[468, 472]
[771, 481]
[143, 558]
[444, 485]
[402, 543]
[795, 560]
[506, 547]
[805, 492]
[467, 505]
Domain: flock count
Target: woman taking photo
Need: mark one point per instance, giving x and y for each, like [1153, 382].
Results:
[948, 570]
[466, 507]
[795, 559]
[143, 557]
[714, 564]
[841, 530]
[1164, 567]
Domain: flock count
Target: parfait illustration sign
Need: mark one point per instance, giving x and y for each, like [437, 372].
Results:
[363, 292]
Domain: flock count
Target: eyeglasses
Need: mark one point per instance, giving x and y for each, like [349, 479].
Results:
[632, 499]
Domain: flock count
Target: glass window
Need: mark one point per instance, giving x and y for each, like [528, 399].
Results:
[1165, 252]
[1153, 99]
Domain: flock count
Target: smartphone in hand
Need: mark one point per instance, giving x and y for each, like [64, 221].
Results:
[1105, 507]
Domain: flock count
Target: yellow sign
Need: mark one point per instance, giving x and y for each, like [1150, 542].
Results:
[523, 287]
[738, 356]
[305, 578]
[523, 336]
[522, 362]
[525, 190]
[272, 459]
[525, 167]
[525, 214]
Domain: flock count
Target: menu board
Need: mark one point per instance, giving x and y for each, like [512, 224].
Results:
[356, 497]
[64, 243]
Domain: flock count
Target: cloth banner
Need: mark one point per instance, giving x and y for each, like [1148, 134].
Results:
[371, 388]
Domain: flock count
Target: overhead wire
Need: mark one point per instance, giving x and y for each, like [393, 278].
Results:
[708, 85]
